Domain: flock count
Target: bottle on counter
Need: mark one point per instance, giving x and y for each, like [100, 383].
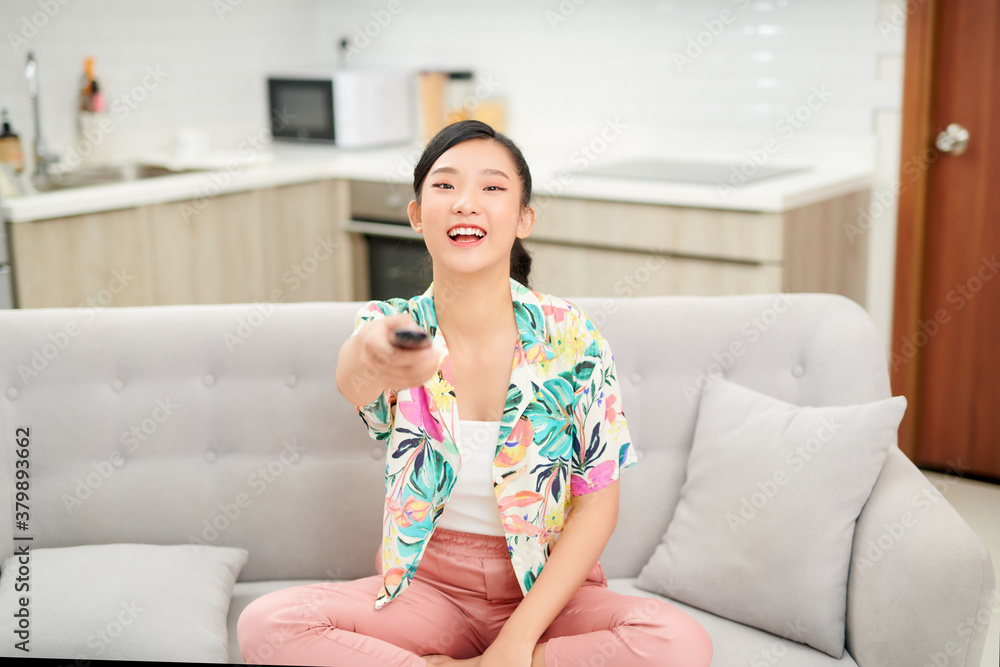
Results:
[92, 146]
[87, 85]
[10, 147]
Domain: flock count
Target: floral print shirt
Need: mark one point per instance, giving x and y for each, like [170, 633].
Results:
[563, 434]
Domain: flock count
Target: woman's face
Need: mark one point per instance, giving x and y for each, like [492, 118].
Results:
[470, 209]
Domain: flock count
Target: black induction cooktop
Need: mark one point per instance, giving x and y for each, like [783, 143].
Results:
[687, 171]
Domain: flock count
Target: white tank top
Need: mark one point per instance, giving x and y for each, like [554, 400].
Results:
[472, 507]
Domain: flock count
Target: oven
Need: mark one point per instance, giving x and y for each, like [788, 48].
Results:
[391, 259]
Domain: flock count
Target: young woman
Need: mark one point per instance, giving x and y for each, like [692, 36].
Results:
[505, 439]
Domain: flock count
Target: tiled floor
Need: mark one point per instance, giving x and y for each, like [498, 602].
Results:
[979, 505]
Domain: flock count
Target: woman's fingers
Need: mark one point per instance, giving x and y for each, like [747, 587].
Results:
[398, 368]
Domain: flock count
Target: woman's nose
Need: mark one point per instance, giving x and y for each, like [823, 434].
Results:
[465, 203]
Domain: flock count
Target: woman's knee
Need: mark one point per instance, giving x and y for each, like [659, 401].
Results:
[681, 637]
[264, 627]
[687, 638]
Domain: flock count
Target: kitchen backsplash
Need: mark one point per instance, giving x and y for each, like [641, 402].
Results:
[722, 64]
[730, 65]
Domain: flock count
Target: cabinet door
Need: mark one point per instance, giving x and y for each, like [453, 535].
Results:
[690, 232]
[209, 250]
[308, 257]
[94, 260]
[273, 244]
[570, 271]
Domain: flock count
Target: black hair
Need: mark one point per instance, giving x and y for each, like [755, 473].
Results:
[456, 133]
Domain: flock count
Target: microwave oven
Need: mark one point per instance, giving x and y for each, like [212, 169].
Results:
[346, 108]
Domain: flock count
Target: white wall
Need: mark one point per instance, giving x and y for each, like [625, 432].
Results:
[681, 66]
[562, 65]
[212, 63]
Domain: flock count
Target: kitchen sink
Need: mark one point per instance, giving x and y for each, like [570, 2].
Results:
[103, 175]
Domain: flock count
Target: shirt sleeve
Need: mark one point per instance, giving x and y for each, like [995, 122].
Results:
[377, 415]
[603, 446]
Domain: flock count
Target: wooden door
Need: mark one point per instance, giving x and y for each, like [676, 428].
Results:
[946, 327]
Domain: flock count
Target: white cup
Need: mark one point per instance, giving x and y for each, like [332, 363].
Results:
[190, 143]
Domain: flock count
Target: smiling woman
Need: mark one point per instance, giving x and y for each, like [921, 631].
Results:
[445, 175]
[506, 534]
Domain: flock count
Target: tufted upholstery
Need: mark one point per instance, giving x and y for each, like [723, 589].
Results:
[222, 424]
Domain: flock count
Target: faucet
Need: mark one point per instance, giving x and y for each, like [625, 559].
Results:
[43, 157]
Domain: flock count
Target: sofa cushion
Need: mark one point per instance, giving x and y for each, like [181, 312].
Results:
[763, 529]
[737, 644]
[122, 601]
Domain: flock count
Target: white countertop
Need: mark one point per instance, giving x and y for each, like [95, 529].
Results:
[554, 173]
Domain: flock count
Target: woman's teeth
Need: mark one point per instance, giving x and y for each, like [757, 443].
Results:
[469, 232]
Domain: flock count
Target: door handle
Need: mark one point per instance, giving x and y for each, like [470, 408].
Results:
[954, 139]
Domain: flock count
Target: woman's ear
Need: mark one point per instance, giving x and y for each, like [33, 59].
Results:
[413, 213]
[526, 222]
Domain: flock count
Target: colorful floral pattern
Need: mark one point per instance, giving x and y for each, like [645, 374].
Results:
[563, 434]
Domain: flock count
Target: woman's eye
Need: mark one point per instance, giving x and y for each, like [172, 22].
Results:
[441, 185]
[494, 187]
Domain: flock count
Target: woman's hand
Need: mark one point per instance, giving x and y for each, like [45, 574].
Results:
[397, 368]
[498, 654]
[369, 363]
[506, 655]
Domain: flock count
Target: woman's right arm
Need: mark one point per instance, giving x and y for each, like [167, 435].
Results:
[369, 363]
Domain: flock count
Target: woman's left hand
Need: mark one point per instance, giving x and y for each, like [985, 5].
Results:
[506, 655]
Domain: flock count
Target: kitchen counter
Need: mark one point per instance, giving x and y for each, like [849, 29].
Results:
[552, 175]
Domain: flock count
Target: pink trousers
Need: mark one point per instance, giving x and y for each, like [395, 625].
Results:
[461, 595]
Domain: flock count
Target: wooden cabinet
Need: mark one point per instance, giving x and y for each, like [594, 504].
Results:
[272, 244]
[286, 244]
[583, 247]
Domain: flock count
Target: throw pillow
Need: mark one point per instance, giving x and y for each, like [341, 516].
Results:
[763, 528]
[120, 602]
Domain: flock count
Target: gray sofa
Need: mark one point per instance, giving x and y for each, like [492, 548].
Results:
[221, 425]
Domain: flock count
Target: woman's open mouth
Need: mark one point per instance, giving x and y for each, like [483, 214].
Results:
[466, 235]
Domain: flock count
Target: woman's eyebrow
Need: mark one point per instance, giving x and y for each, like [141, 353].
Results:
[487, 172]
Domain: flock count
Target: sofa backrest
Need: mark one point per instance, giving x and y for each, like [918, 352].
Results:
[222, 424]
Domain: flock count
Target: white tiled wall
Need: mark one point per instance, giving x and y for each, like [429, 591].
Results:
[605, 57]
[561, 64]
[212, 63]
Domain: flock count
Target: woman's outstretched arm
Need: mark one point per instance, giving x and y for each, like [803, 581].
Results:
[586, 532]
